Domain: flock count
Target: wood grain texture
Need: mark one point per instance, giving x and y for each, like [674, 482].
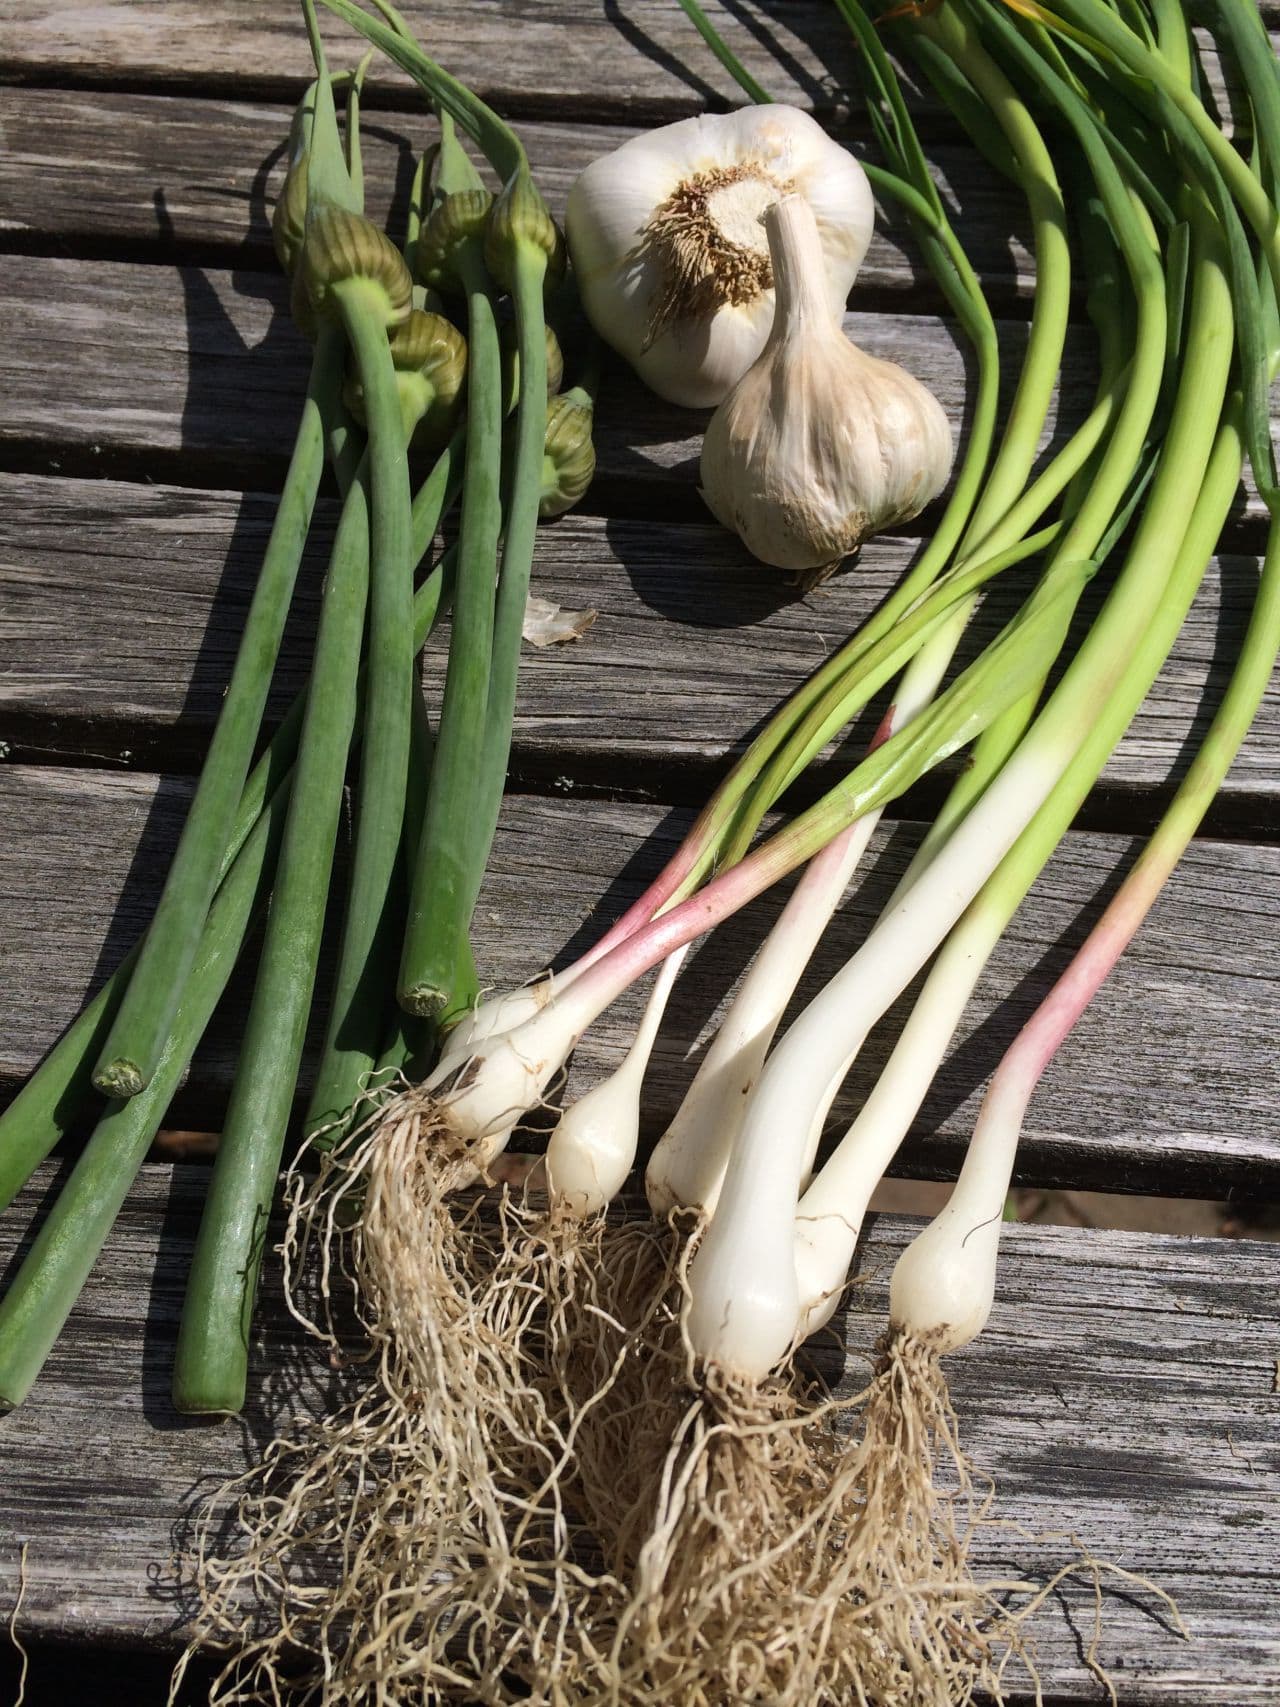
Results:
[1167, 1085]
[121, 607]
[217, 372]
[1125, 1388]
[1145, 1423]
[526, 57]
[200, 177]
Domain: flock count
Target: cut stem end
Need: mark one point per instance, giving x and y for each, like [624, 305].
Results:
[120, 1078]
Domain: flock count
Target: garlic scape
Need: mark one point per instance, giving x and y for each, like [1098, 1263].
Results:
[429, 356]
[511, 365]
[569, 454]
[819, 444]
[671, 261]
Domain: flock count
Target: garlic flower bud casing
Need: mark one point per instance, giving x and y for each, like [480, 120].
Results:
[520, 216]
[456, 223]
[568, 454]
[819, 445]
[289, 216]
[429, 355]
[670, 259]
[341, 245]
[511, 365]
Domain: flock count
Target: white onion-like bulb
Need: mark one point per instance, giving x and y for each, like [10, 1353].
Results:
[491, 1018]
[944, 1283]
[593, 1147]
[671, 260]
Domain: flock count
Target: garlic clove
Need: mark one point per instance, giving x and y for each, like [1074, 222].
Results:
[819, 444]
[672, 263]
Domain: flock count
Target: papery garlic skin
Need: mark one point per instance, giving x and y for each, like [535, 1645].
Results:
[671, 260]
[819, 444]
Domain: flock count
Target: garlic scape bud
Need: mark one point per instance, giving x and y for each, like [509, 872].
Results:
[818, 445]
[671, 262]
[569, 456]
[519, 216]
[429, 356]
[457, 223]
[289, 216]
[511, 366]
[342, 245]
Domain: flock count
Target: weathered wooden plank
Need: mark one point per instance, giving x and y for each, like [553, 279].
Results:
[524, 56]
[121, 607]
[186, 340]
[199, 177]
[1168, 1084]
[1144, 1423]
[513, 53]
[216, 371]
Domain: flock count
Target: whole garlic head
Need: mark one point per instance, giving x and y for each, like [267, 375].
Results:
[819, 444]
[671, 260]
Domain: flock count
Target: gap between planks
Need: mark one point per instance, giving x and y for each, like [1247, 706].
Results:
[1166, 1085]
[527, 61]
[1122, 1392]
[121, 607]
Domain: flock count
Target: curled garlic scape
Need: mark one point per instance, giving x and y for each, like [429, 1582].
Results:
[569, 454]
[429, 356]
[671, 261]
[818, 445]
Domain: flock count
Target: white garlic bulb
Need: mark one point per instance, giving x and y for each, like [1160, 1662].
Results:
[819, 444]
[671, 260]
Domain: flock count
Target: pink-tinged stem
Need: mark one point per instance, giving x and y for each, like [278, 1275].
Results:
[681, 865]
[677, 869]
[884, 729]
[1036, 1044]
[1002, 675]
[595, 987]
[980, 694]
[1044, 1033]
